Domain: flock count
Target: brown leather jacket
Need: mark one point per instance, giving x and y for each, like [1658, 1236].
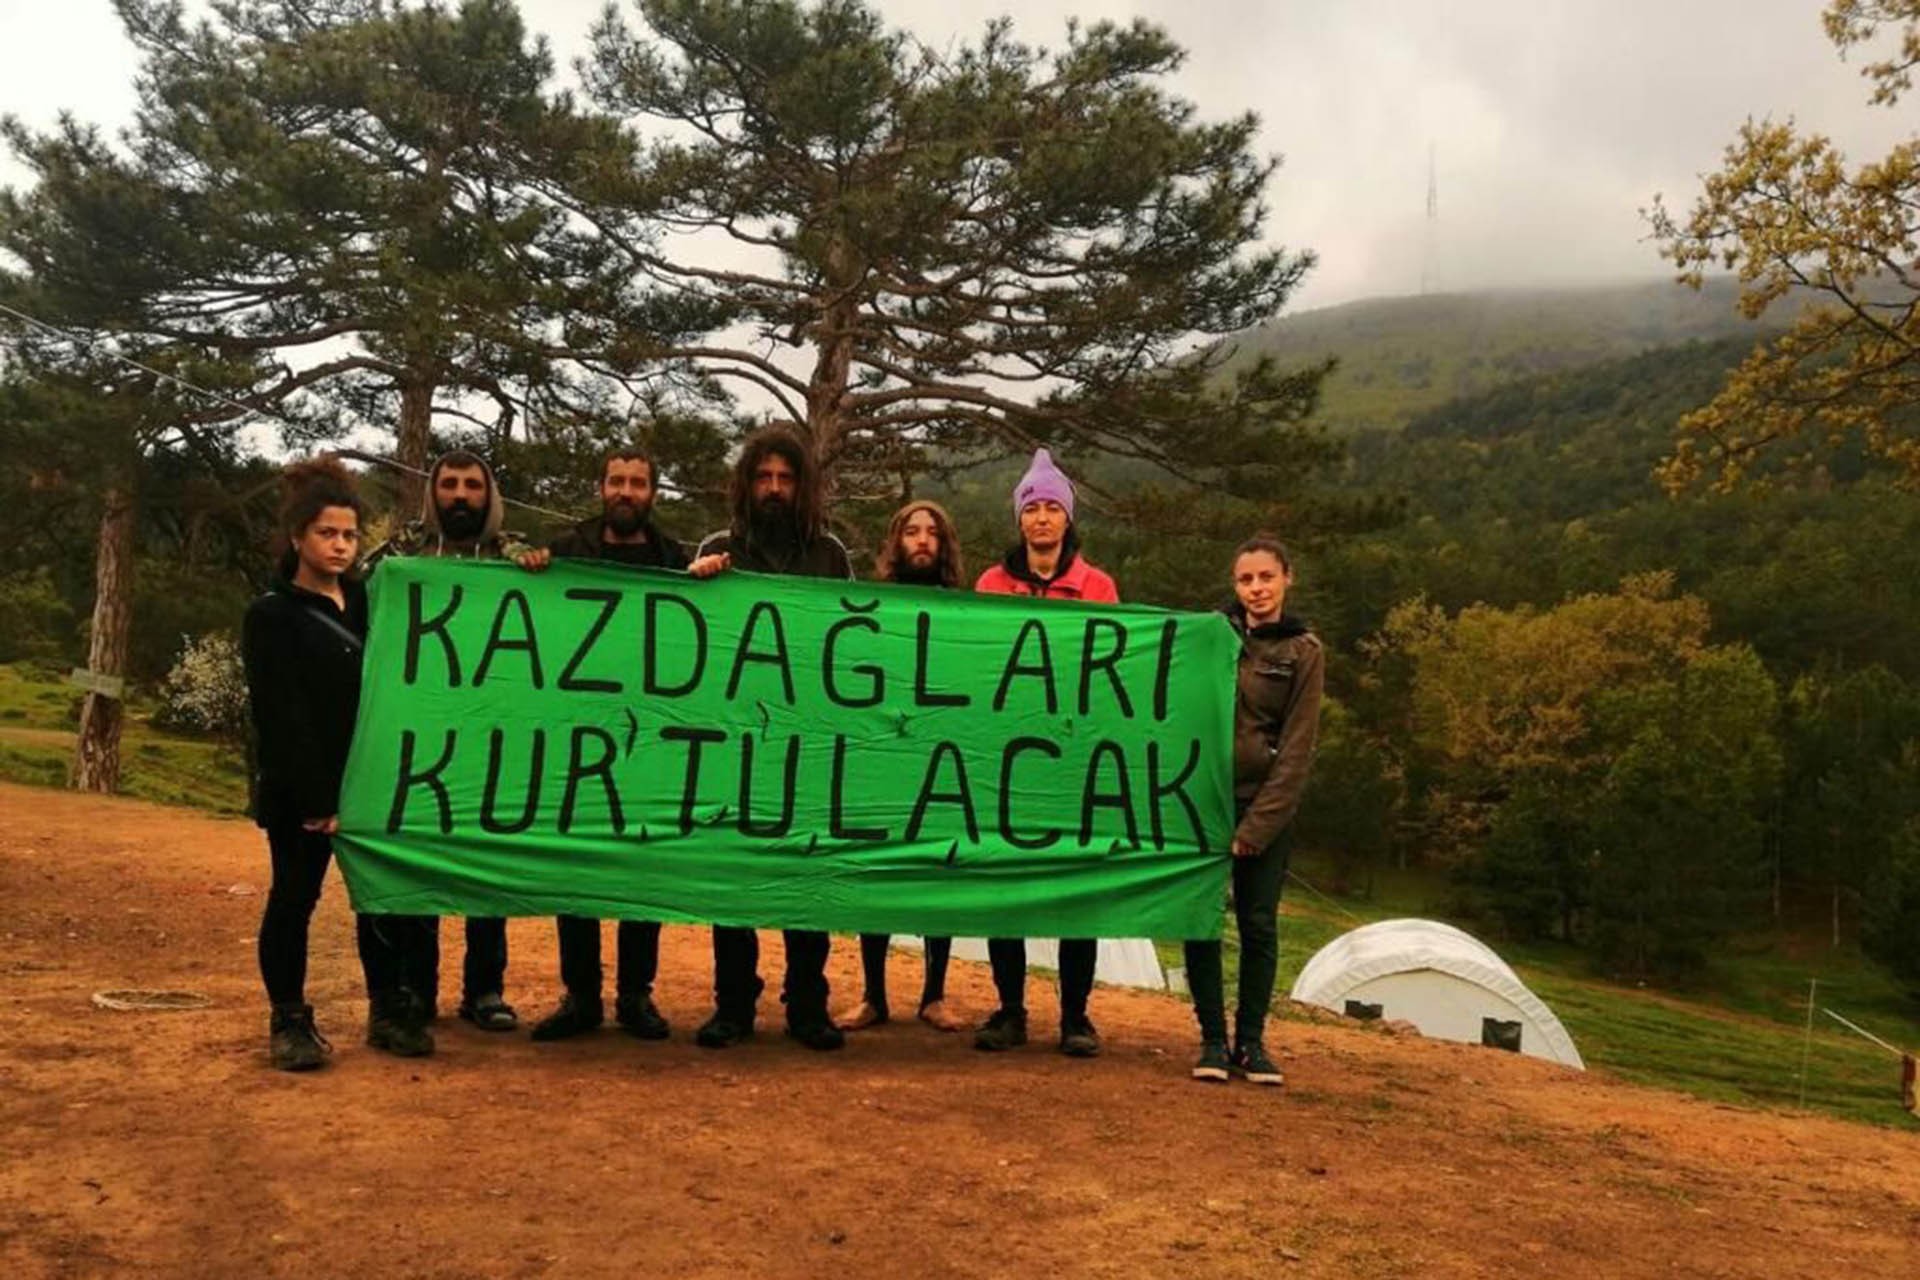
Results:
[1276, 721]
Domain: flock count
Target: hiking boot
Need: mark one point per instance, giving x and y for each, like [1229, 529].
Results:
[396, 1024]
[576, 1016]
[1214, 1063]
[293, 1043]
[639, 1017]
[723, 1030]
[489, 1012]
[1078, 1039]
[1003, 1031]
[816, 1031]
[1251, 1061]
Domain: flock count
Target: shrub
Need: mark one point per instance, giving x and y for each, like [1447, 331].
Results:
[206, 691]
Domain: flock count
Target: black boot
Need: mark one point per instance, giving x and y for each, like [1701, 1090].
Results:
[294, 1044]
[576, 1016]
[638, 1015]
[397, 1024]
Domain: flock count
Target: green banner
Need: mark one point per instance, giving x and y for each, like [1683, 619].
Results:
[751, 750]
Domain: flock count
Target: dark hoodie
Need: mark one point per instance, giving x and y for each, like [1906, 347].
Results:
[425, 537]
[1276, 721]
[302, 658]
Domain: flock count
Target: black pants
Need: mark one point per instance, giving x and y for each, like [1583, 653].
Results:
[736, 973]
[1257, 882]
[392, 948]
[484, 970]
[873, 963]
[1077, 959]
[636, 957]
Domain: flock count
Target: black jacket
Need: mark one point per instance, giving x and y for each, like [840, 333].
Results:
[303, 685]
[823, 557]
[584, 542]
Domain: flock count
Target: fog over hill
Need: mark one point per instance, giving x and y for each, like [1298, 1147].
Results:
[1401, 356]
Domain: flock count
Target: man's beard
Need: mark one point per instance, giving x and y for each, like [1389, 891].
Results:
[626, 518]
[922, 573]
[774, 520]
[929, 575]
[461, 522]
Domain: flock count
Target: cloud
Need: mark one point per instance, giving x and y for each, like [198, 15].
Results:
[1551, 123]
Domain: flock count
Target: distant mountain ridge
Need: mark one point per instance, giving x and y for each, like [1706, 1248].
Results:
[1402, 356]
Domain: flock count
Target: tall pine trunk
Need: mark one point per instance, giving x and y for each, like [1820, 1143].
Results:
[96, 753]
[415, 436]
[832, 335]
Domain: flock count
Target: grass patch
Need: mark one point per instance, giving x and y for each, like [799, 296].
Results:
[1736, 1034]
[36, 747]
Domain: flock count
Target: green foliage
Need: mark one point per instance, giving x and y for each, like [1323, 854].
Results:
[1892, 929]
[1353, 800]
[34, 621]
[1692, 767]
[975, 249]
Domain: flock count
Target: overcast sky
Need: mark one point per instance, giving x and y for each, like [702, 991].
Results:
[1553, 121]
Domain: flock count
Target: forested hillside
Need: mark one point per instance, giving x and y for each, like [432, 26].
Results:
[1400, 356]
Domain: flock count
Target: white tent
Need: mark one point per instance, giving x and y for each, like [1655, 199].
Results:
[1125, 962]
[1445, 982]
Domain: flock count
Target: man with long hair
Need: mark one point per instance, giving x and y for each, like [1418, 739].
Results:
[777, 526]
[921, 549]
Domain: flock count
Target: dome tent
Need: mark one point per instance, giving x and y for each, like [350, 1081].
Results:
[1447, 983]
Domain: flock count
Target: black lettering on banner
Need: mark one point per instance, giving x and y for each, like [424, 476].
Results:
[609, 602]
[963, 796]
[1108, 662]
[789, 783]
[651, 658]
[489, 798]
[1178, 787]
[776, 657]
[523, 643]
[1121, 797]
[1163, 669]
[405, 780]
[1013, 751]
[578, 768]
[836, 825]
[875, 677]
[690, 792]
[419, 627]
[922, 650]
[1015, 667]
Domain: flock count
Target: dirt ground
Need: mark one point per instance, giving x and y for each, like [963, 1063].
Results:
[161, 1144]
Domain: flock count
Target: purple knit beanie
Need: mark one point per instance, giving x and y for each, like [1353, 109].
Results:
[1043, 482]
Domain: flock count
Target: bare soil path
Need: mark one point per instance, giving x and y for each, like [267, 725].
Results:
[161, 1144]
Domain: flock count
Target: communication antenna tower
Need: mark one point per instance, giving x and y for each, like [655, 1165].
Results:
[1428, 266]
